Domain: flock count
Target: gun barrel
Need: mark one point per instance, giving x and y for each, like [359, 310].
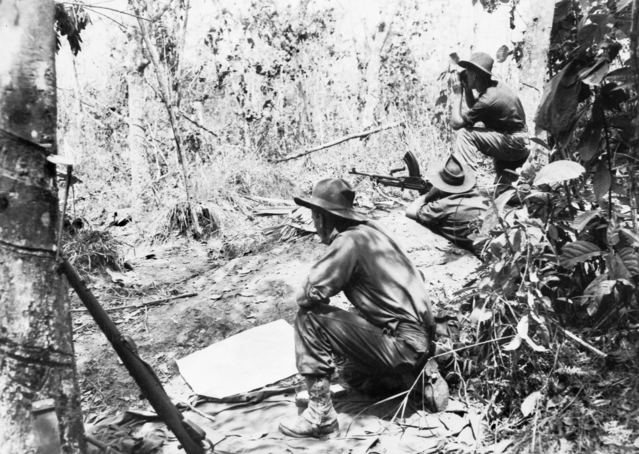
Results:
[372, 175]
[141, 372]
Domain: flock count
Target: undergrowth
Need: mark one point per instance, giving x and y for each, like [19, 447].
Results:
[92, 250]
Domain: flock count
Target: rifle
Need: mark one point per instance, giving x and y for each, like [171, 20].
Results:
[190, 436]
[413, 181]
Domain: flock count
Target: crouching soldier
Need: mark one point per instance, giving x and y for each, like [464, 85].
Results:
[453, 208]
[393, 337]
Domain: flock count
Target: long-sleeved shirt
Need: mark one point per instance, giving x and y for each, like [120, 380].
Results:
[454, 216]
[377, 277]
[499, 109]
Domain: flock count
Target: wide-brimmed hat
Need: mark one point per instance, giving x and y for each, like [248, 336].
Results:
[452, 176]
[479, 60]
[335, 196]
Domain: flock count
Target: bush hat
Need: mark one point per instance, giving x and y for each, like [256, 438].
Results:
[479, 60]
[335, 196]
[452, 176]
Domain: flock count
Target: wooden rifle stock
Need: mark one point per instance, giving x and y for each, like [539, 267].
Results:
[189, 435]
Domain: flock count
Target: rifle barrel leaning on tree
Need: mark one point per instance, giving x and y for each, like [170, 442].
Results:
[190, 436]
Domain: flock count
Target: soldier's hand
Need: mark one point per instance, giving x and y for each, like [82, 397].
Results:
[456, 83]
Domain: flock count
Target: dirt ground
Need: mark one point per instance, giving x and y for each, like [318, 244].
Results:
[230, 296]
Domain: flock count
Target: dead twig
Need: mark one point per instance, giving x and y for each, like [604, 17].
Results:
[199, 412]
[576, 339]
[191, 120]
[338, 141]
[148, 303]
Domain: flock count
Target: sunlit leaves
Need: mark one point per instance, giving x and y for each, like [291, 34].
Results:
[558, 171]
[529, 403]
[513, 345]
[522, 331]
[578, 252]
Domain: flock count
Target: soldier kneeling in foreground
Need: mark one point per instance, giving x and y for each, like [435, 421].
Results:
[392, 340]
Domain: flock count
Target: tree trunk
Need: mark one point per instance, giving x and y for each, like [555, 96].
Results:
[169, 99]
[135, 65]
[376, 44]
[532, 75]
[36, 343]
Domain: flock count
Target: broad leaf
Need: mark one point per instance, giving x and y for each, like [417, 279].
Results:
[491, 217]
[621, 4]
[592, 287]
[598, 292]
[612, 231]
[616, 267]
[562, 9]
[481, 313]
[582, 219]
[624, 74]
[596, 74]
[578, 252]
[632, 236]
[502, 54]
[586, 34]
[602, 180]
[522, 327]
[590, 143]
[529, 403]
[558, 171]
[534, 346]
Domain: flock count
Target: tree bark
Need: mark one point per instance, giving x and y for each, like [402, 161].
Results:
[140, 174]
[36, 343]
[534, 60]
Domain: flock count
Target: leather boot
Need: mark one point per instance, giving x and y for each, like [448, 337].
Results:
[319, 418]
[435, 389]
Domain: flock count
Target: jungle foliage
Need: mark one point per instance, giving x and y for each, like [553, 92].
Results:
[565, 259]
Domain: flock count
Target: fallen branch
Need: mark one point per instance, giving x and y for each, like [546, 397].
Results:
[338, 141]
[149, 303]
[583, 343]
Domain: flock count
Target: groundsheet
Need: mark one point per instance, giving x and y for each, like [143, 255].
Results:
[365, 427]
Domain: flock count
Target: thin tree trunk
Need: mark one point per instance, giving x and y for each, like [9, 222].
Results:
[140, 174]
[36, 343]
[167, 99]
[373, 87]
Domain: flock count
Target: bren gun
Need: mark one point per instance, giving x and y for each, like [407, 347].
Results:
[413, 181]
